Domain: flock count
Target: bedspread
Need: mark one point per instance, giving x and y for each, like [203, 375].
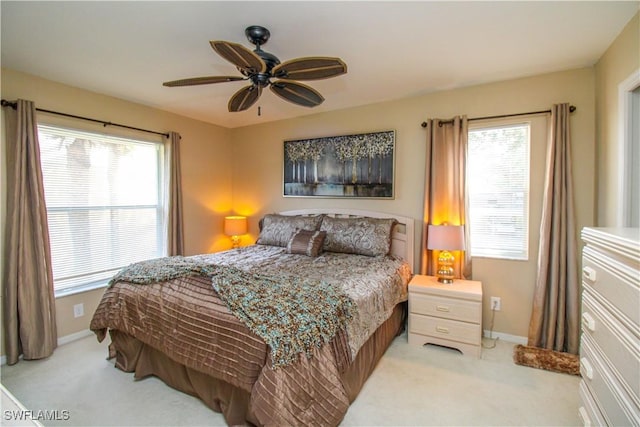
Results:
[291, 314]
[185, 319]
[375, 284]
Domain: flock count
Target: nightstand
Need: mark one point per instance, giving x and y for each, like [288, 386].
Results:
[446, 314]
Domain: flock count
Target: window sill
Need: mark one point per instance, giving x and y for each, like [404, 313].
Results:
[80, 289]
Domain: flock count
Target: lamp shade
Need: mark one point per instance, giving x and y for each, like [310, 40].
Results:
[235, 225]
[446, 237]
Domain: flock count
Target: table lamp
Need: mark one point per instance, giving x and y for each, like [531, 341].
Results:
[445, 238]
[235, 226]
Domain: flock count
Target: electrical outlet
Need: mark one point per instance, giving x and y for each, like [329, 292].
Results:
[78, 310]
[496, 303]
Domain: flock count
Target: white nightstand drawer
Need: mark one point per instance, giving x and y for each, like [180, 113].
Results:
[447, 308]
[445, 329]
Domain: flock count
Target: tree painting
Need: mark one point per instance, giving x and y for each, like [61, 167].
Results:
[359, 165]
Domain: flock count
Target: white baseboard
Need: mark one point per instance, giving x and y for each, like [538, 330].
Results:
[61, 341]
[74, 337]
[506, 337]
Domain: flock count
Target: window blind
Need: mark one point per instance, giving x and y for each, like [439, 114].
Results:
[104, 203]
[498, 185]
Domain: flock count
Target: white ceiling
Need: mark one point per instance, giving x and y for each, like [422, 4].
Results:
[392, 49]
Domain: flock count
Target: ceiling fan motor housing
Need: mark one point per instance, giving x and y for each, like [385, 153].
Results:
[261, 79]
[268, 58]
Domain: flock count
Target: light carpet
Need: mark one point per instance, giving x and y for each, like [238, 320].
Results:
[418, 386]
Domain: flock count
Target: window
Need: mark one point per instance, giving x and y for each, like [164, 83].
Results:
[104, 204]
[498, 185]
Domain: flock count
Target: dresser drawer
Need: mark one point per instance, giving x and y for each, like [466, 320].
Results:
[588, 411]
[447, 308]
[621, 349]
[616, 282]
[614, 403]
[445, 329]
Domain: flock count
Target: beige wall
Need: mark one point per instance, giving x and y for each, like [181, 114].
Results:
[257, 167]
[246, 163]
[206, 172]
[620, 60]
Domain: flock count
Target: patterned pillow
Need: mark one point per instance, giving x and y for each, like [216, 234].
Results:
[362, 236]
[306, 242]
[277, 229]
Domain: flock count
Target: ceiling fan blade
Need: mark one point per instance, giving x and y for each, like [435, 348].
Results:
[297, 93]
[240, 56]
[310, 68]
[244, 98]
[202, 81]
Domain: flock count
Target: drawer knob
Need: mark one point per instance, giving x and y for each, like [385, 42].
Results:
[586, 421]
[586, 368]
[442, 329]
[442, 308]
[589, 273]
[588, 322]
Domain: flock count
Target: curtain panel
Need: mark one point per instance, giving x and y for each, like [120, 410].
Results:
[445, 188]
[555, 317]
[175, 239]
[28, 297]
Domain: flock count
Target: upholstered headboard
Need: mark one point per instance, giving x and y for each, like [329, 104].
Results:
[401, 238]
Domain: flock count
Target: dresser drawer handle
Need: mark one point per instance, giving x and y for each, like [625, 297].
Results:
[442, 308]
[588, 322]
[589, 273]
[585, 368]
[586, 421]
[442, 329]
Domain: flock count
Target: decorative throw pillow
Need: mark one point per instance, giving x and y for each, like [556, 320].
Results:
[306, 242]
[277, 229]
[361, 236]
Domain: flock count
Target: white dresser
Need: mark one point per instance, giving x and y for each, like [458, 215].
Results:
[610, 344]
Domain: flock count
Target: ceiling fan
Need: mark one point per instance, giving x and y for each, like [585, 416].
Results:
[265, 69]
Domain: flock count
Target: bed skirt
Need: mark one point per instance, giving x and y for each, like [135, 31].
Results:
[131, 355]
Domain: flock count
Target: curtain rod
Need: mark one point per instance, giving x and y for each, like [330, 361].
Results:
[13, 105]
[502, 116]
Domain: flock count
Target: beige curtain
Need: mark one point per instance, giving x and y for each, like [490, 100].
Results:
[445, 187]
[555, 318]
[175, 240]
[28, 299]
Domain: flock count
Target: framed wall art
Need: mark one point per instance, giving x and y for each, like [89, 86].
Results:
[360, 165]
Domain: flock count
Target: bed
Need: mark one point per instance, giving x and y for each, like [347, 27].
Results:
[283, 332]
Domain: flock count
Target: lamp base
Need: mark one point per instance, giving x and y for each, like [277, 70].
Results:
[235, 242]
[445, 273]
